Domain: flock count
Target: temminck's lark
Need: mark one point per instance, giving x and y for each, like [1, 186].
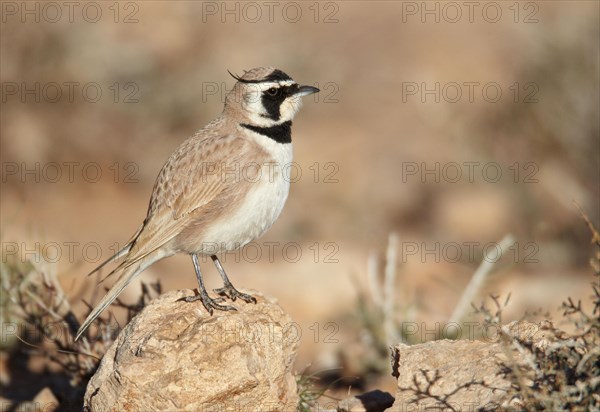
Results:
[222, 188]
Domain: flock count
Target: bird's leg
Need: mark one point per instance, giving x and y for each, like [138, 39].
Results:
[228, 289]
[208, 303]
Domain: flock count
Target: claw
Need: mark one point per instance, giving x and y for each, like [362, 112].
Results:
[209, 304]
[232, 293]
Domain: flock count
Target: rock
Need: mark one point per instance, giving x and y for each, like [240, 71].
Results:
[440, 368]
[374, 401]
[465, 374]
[175, 356]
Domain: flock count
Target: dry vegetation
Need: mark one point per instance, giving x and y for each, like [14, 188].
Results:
[39, 327]
[562, 376]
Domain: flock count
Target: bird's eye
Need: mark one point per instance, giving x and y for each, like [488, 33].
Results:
[273, 91]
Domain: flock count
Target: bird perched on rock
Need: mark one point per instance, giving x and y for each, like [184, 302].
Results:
[222, 188]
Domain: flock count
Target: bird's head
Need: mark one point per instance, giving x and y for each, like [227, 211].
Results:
[266, 97]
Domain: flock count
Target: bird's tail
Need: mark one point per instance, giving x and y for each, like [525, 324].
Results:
[129, 273]
[118, 255]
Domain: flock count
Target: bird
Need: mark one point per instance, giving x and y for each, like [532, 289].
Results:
[220, 189]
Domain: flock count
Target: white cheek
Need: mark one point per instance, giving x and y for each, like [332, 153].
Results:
[289, 108]
[257, 114]
[252, 105]
[252, 102]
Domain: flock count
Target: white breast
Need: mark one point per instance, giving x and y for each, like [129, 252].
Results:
[262, 205]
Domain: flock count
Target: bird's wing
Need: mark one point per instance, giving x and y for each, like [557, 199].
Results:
[187, 183]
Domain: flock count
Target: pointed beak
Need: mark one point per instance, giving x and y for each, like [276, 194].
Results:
[306, 90]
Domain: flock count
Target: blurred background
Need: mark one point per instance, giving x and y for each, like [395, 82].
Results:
[446, 125]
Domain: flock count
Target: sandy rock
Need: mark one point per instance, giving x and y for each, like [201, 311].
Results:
[175, 356]
[464, 374]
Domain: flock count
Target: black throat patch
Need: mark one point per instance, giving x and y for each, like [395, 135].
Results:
[281, 133]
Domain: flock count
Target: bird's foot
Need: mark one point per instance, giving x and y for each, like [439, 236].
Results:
[209, 303]
[232, 293]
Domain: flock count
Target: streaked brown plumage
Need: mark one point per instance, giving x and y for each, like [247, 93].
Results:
[219, 190]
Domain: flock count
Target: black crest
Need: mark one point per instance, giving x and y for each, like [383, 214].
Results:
[274, 76]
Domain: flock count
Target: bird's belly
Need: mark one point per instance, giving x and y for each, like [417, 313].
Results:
[256, 214]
